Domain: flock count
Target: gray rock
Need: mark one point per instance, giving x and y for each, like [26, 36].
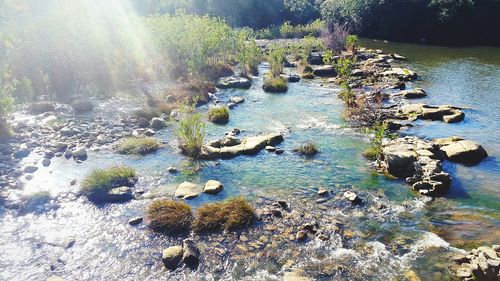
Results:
[172, 170]
[119, 194]
[46, 162]
[68, 154]
[149, 132]
[413, 94]
[191, 255]
[464, 151]
[187, 190]
[233, 82]
[270, 148]
[279, 151]
[157, 123]
[30, 169]
[293, 78]
[315, 58]
[301, 235]
[230, 141]
[80, 154]
[172, 257]
[237, 99]
[143, 122]
[325, 71]
[213, 187]
[21, 153]
[66, 132]
[323, 191]
[352, 197]
[135, 221]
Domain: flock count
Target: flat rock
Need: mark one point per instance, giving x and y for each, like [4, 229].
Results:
[213, 187]
[413, 94]
[464, 151]
[445, 113]
[236, 99]
[325, 71]
[187, 190]
[135, 221]
[400, 73]
[233, 82]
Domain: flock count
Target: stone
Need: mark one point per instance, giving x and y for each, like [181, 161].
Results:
[135, 221]
[248, 146]
[172, 170]
[143, 122]
[279, 151]
[315, 58]
[55, 278]
[187, 190]
[172, 257]
[445, 113]
[21, 153]
[191, 255]
[230, 141]
[488, 252]
[80, 154]
[400, 73]
[399, 160]
[119, 195]
[213, 187]
[413, 94]
[293, 78]
[149, 132]
[270, 148]
[464, 151]
[73, 182]
[30, 169]
[233, 82]
[48, 154]
[325, 71]
[237, 99]
[101, 139]
[157, 123]
[323, 191]
[301, 235]
[66, 132]
[352, 197]
[295, 276]
[46, 162]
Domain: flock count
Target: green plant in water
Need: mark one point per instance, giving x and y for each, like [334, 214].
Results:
[102, 180]
[344, 67]
[378, 132]
[347, 94]
[276, 58]
[138, 146]
[275, 84]
[328, 57]
[190, 131]
[249, 54]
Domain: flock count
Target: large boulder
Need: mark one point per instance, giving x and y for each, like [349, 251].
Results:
[400, 160]
[80, 154]
[233, 82]
[315, 58]
[445, 113]
[248, 146]
[464, 151]
[187, 190]
[325, 71]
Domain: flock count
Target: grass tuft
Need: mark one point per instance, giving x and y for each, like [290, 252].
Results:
[137, 146]
[227, 215]
[308, 149]
[102, 180]
[219, 114]
[170, 216]
[372, 153]
[275, 84]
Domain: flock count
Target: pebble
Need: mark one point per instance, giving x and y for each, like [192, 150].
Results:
[135, 221]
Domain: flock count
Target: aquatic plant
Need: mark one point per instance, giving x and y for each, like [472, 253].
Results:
[227, 215]
[218, 114]
[275, 84]
[100, 181]
[307, 149]
[169, 216]
[138, 146]
[190, 131]
[249, 55]
[378, 132]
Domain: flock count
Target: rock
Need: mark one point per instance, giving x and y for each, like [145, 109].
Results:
[400, 73]
[399, 160]
[248, 146]
[295, 276]
[325, 71]
[301, 235]
[191, 255]
[237, 99]
[157, 123]
[21, 153]
[293, 78]
[46, 162]
[119, 195]
[66, 132]
[187, 190]
[413, 94]
[101, 139]
[30, 169]
[149, 132]
[488, 252]
[233, 82]
[323, 191]
[213, 187]
[279, 151]
[172, 256]
[230, 141]
[48, 154]
[270, 148]
[443, 113]
[80, 154]
[172, 170]
[143, 122]
[315, 58]
[352, 197]
[68, 154]
[464, 151]
[135, 221]
[398, 57]
[73, 182]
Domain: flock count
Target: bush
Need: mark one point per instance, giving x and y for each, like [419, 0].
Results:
[169, 216]
[227, 215]
[299, 31]
[344, 67]
[335, 37]
[218, 114]
[347, 95]
[308, 149]
[191, 132]
[249, 54]
[276, 58]
[137, 146]
[275, 84]
[100, 181]
[378, 132]
[351, 43]
[41, 107]
[81, 105]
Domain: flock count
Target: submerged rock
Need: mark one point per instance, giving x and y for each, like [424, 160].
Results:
[135, 221]
[248, 146]
[233, 82]
[119, 194]
[462, 151]
[236, 99]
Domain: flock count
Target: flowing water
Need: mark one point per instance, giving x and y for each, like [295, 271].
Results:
[106, 247]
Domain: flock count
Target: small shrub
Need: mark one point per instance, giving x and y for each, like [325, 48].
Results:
[137, 146]
[276, 58]
[379, 131]
[41, 107]
[347, 95]
[344, 67]
[298, 31]
[218, 114]
[191, 132]
[102, 180]
[308, 149]
[227, 215]
[82, 105]
[275, 84]
[249, 54]
[351, 43]
[169, 216]
[336, 35]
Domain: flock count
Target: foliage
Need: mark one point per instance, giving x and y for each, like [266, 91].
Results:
[328, 57]
[336, 35]
[249, 54]
[307, 149]
[344, 66]
[351, 43]
[287, 30]
[275, 84]
[102, 180]
[378, 132]
[137, 146]
[307, 45]
[218, 114]
[190, 131]
[346, 94]
[170, 216]
[227, 215]
[276, 58]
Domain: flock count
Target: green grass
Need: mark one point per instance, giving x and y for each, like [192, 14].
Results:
[308, 149]
[275, 84]
[103, 180]
[307, 75]
[219, 114]
[170, 216]
[372, 153]
[137, 146]
[227, 215]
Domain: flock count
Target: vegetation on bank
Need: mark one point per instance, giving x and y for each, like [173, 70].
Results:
[137, 146]
[170, 216]
[227, 215]
[218, 114]
[102, 180]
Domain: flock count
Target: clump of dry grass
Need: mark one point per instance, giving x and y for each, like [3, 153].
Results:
[229, 214]
[137, 146]
[170, 216]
